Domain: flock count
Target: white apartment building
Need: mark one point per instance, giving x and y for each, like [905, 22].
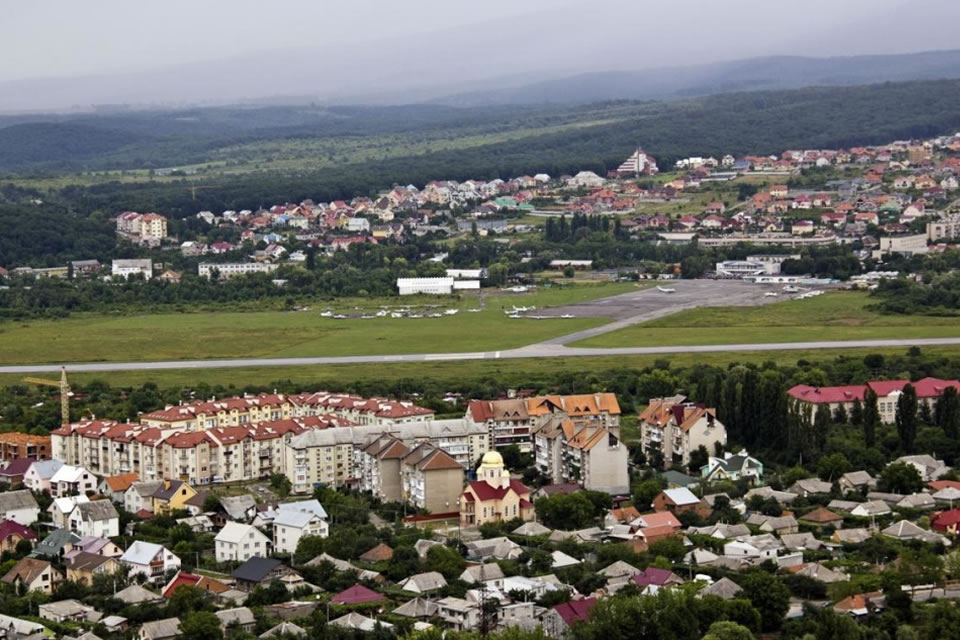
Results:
[132, 266]
[227, 270]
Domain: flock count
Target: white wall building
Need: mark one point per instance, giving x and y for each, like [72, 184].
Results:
[298, 519]
[240, 542]
[425, 286]
[149, 559]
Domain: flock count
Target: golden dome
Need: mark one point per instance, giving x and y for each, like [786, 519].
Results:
[492, 459]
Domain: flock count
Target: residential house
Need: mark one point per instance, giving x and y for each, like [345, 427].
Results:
[238, 618]
[558, 620]
[295, 520]
[821, 517]
[93, 544]
[733, 467]
[501, 548]
[677, 501]
[929, 467]
[61, 508]
[652, 579]
[259, 571]
[240, 542]
[172, 495]
[286, 630]
[459, 614]
[358, 622]
[139, 496]
[673, 428]
[98, 518]
[115, 487]
[83, 566]
[150, 560]
[724, 588]
[19, 506]
[856, 481]
[871, 509]
[379, 553]
[12, 534]
[887, 391]
[810, 487]
[431, 479]
[71, 481]
[357, 594]
[57, 544]
[68, 611]
[12, 474]
[424, 582]
[166, 629]
[780, 525]
[494, 496]
[38, 476]
[33, 574]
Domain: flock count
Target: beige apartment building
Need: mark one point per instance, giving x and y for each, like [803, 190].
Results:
[513, 421]
[592, 456]
[675, 428]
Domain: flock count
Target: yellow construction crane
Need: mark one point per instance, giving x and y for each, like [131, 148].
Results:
[64, 392]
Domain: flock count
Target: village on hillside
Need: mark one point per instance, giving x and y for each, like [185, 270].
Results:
[880, 200]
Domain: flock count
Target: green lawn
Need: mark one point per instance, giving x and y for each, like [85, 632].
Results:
[509, 373]
[833, 316]
[88, 338]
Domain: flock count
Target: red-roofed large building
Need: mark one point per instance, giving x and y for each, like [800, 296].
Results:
[494, 496]
[675, 428]
[888, 392]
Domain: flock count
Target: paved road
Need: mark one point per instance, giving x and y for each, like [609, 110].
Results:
[534, 351]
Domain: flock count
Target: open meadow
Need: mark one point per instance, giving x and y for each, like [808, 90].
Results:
[840, 315]
[202, 335]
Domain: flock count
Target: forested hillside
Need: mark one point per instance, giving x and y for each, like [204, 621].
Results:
[763, 122]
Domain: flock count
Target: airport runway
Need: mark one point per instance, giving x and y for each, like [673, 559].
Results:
[543, 350]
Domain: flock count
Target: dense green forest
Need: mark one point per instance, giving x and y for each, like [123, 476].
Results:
[760, 122]
[936, 295]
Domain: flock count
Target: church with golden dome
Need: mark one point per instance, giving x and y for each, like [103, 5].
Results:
[494, 496]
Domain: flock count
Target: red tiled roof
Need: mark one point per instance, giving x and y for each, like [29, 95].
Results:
[575, 610]
[180, 580]
[9, 527]
[17, 467]
[357, 594]
[486, 492]
[653, 576]
[943, 521]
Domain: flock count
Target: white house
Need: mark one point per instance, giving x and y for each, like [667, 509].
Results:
[139, 495]
[151, 560]
[71, 481]
[99, 519]
[19, 506]
[61, 508]
[240, 542]
[37, 478]
[295, 520]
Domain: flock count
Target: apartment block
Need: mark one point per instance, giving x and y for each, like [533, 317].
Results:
[592, 456]
[513, 421]
[22, 445]
[675, 428]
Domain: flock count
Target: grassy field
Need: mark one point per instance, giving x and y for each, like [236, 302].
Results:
[509, 373]
[832, 316]
[89, 338]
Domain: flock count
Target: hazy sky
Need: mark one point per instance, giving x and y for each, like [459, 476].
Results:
[58, 53]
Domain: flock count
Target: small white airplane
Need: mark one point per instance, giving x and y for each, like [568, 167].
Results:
[568, 315]
[326, 314]
[771, 294]
[666, 290]
[791, 289]
[396, 315]
[339, 317]
[474, 310]
[519, 289]
[451, 312]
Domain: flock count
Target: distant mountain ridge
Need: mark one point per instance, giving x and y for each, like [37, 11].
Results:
[753, 74]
